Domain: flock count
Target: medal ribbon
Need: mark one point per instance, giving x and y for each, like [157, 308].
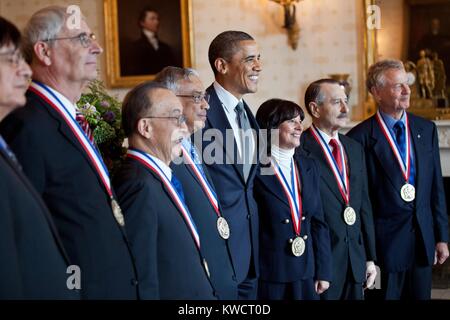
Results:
[151, 165]
[405, 167]
[342, 180]
[55, 103]
[203, 181]
[293, 195]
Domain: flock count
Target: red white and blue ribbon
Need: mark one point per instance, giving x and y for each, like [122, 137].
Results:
[292, 194]
[405, 167]
[56, 104]
[341, 179]
[207, 188]
[151, 165]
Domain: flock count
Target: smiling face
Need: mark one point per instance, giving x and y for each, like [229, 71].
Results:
[14, 76]
[290, 132]
[392, 96]
[70, 61]
[332, 113]
[240, 74]
[194, 112]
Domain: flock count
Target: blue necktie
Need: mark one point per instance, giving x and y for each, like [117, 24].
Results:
[177, 185]
[399, 130]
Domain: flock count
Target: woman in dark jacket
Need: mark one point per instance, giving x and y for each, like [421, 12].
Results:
[294, 238]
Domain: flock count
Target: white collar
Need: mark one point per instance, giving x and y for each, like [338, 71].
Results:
[165, 168]
[66, 102]
[326, 137]
[149, 34]
[229, 101]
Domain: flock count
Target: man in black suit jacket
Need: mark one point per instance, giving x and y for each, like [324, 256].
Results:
[164, 237]
[200, 193]
[63, 164]
[33, 261]
[235, 60]
[405, 186]
[344, 191]
[148, 54]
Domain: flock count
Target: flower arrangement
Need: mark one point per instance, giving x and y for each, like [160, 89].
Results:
[103, 113]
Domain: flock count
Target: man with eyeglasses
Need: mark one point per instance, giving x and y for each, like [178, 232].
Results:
[164, 237]
[63, 163]
[200, 193]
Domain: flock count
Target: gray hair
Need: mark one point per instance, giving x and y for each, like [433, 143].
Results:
[170, 76]
[375, 74]
[45, 24]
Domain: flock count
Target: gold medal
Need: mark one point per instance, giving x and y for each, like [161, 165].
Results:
[298, 246]
[223, 228]
[349, 216]
[408, 192]
[117, 212]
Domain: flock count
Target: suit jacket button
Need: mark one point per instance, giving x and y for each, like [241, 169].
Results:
[286, 221]
[290, 240]
[303, 218]
[248, 216]
[305, 237]
[134, 282]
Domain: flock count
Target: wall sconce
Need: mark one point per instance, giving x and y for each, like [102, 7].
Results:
[290, 21]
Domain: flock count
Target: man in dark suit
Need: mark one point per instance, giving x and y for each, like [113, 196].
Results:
[33, 260]
[235, 60]
[148, 54]
[164, 237]
[200, 193]
[344, 191]
[405, 186]
[62, 162]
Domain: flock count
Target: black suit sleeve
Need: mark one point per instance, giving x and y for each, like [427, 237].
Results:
[141, 223]
[367, 224]
[438, 206]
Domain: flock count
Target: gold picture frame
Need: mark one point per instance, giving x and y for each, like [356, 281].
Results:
[116, 33]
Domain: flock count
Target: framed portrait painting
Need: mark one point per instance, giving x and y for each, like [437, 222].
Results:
[144, 36]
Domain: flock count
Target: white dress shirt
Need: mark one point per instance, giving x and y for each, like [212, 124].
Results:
[151, 36]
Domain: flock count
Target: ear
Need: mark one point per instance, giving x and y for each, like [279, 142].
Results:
[42, 52]
[221, 65]
[315, 110]
[144, 128]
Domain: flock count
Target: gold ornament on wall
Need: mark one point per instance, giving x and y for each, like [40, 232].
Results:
[290, 21]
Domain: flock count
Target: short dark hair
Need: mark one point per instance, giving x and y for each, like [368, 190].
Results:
[225, 45]
[137, 104]
[314, 94]
[9, 34]
[273, 112]
[144, 11]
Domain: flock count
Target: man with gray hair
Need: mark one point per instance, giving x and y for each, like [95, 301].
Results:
[200, 193]
[405, 186]
[52, 142]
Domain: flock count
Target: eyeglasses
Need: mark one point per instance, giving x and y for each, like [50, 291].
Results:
[180, 119]
[196, 97]
[84, 38]
[14, 57]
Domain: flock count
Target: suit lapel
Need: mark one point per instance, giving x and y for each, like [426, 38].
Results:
[386, 156]
[40, 202]
[218, 120]
[419, 150]
[274, 186]
[352, 163]
[313, 149]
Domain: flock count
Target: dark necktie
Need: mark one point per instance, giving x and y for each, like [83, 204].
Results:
[6, 150]
[244, 125]
[85, 126]
[177, 185]
[399, 130]
[336, 153]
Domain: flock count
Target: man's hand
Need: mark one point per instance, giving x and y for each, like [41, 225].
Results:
[371, 274]
[321, 286]
[440, 253]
